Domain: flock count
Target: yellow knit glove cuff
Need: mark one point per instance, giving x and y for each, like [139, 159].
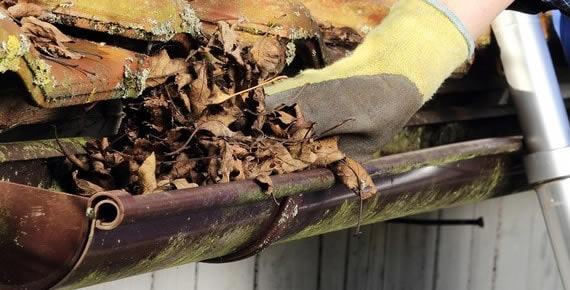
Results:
[420, 40]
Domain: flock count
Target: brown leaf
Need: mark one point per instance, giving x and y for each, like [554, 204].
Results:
[229, 38]
[199, 91]
[181, 167]
[219, 96]
[146, 174]
[269, 55]
[162, 66]
[284, 162]
[182, 183]
[47, 38]
[25, 9]
[216, 128]
[85, 187]
[355, 177]
[277, 130]
[327, 151]
[286, 118]
[266, 183]
[182, 79]
[185, 100]
[226, 164]
[99, 167]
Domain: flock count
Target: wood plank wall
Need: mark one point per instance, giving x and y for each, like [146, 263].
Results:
[512, 251]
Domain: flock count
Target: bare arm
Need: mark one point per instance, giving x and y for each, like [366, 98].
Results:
[476, 15]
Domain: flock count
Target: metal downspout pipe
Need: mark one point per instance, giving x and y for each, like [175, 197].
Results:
[536, 94]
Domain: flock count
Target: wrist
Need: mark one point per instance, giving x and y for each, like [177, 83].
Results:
[476, 16]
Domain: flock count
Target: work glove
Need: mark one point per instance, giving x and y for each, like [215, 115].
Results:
[397, 68]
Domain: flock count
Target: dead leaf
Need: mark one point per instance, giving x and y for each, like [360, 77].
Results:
[286, 118]
[185, 100]
[229, 39]
[284, 162]
[85, 187]
[47, 38]
[199, 91]
[181, 167]
[355, 177]
[327, 151]
[266, 183]
[269, 56]
[216, 128]
[25, 9]
[162, 67]
[182, 183]
[182, 79]
[219, 96]
[146, 173]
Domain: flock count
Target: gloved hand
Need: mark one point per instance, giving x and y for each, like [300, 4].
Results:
[397, 68]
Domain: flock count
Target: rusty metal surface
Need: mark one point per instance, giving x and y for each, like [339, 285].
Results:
[128, 238]
[42, 234]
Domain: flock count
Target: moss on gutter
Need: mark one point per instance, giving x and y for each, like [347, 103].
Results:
[432, 198]
[28, 150]
[407, 139]
[179, 251]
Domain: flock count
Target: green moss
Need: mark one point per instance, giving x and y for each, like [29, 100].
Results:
[431, 198]
[180, 250]
[93, 278]
[331, 221]
[284, 190]
[436, 162]
[407, 139]
[27, 150]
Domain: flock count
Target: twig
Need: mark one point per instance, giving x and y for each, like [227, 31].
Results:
[275, 199]
[335, 127]
[192, 159]
[358, 193]
[86, 53]
[185, 145]
[258, 86]
[72, 158]
[358, 232]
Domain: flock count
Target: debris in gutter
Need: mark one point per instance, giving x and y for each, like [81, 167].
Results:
[201, 118]
[201, 125]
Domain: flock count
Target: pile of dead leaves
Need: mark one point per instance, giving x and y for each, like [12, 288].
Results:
[203, 122]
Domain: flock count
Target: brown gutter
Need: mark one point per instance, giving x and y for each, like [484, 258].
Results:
[55, 238]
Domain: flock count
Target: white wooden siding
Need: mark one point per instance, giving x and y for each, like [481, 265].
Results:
[512, 251]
